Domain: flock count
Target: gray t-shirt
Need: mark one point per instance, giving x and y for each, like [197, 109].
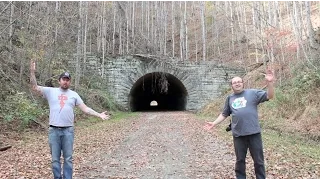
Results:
[243, 108]
[61, 103]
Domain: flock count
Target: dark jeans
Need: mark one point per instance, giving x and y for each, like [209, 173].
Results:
[241, 145]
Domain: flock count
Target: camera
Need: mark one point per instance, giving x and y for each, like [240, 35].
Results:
[228, 128]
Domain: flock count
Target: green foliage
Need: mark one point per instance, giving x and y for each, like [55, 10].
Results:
[293, 93]
[93, 92]
[94, 122]
[19, 107]
[98, 99]
[311, 79]
[304, 82]
[122, 115]
[298, 143]
[279, 100]
[92, 81]
[224, 89]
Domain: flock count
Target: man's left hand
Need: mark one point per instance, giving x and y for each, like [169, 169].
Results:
[104, 116]
[269, 76]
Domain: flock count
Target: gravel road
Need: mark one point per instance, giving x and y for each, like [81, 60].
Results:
[165, 145]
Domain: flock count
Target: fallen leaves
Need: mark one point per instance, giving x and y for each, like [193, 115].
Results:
[152, 145]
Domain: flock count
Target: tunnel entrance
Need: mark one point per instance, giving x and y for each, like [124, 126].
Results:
[158, 91]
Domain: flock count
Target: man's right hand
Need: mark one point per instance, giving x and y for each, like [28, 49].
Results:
[33, 80]
[32, 65]
[208, 126]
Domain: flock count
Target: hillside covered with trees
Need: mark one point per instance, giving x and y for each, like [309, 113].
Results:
[284, 35]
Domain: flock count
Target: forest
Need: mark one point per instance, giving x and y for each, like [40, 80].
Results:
[253, 35]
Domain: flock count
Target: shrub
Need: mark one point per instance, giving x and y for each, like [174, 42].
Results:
[19, 107]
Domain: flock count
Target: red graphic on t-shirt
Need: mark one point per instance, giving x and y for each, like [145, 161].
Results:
[62, 99]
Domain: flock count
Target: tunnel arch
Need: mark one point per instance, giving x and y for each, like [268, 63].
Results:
[164, 88]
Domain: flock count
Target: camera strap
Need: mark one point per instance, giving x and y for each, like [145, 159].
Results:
[229, 108]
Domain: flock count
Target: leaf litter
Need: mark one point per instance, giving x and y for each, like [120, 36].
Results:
[153, 145]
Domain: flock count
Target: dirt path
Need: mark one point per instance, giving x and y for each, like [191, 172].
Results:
[159, 145]
[150, 145]
[154, 145]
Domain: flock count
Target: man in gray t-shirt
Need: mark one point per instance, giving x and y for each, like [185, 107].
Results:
[242, 105]
[62, 101]
[243, 109]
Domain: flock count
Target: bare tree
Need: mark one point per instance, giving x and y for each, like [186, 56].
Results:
[120, 41]
[85, 37]
[173, 27]
[311, 32]
[232, 26]
[295, 26]
[104, 29]
[127, 30]
[78, 56]
[142, 23]
[133, 26]
[114, 5]
[216, 32]
[148, 19]
[185, 30]
[99, 27]
[11, 29]
[255, 28]
[165, 24]
[203, 25]
[181, 33]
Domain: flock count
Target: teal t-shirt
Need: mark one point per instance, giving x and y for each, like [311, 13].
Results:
[243, 108]
[61, 104]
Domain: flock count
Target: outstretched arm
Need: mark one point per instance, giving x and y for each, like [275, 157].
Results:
[33, 80]
[92, 112]
[270, 79]
[210, 125]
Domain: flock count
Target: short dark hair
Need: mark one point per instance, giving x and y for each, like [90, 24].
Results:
[234, 77]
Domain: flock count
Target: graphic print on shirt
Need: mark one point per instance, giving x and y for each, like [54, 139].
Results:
[239, 103]
[62, 99]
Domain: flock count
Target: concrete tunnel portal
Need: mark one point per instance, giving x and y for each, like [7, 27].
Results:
[158, 91]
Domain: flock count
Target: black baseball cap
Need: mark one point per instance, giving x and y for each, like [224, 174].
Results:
[65, 75]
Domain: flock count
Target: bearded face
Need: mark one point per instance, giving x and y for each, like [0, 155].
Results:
[65, 83]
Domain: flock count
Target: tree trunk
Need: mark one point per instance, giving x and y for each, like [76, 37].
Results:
[173, 27]
[203, 25]
[185, 30]
[104, 25]
[255, 27]
[11, 30]
[114, 27]
[181, 35]
[78, 57]
[85, 39]
[165, 13]
[132, 27]
[311, 32]
[232, 27]
[127, 30]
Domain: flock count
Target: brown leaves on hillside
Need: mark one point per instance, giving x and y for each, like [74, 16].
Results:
[153, 145]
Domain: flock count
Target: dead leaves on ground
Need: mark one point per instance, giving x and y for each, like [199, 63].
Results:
[171, 145]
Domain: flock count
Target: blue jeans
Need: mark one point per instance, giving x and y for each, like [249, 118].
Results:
[241, 146]
[61, 140]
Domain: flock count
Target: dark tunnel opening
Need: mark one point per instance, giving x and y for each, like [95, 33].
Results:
[158, 92]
